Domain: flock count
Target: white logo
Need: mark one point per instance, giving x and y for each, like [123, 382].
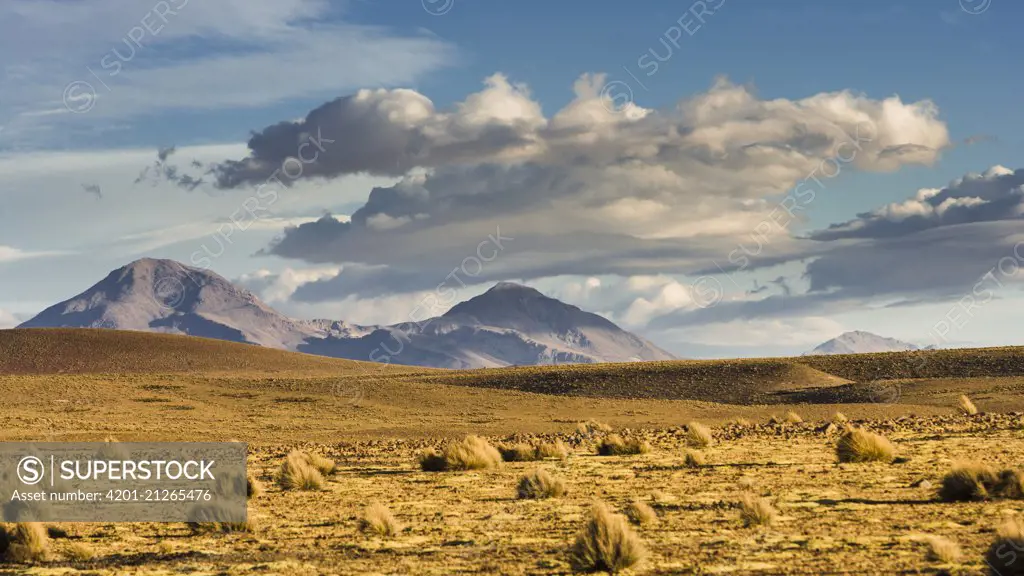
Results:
[30, 470]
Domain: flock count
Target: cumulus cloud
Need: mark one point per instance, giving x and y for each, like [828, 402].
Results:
[585, 191]
[276, 287]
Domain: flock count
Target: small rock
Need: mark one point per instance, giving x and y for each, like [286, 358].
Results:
[922, 483]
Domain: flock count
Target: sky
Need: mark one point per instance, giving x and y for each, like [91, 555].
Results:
[724, 177]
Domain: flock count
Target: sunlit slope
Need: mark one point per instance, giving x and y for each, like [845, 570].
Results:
[84, 351]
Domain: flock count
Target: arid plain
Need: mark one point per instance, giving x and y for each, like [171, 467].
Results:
[764, 494]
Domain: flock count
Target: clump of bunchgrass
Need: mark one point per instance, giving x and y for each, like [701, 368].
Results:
[793, 418]
[698, 434]
[325, 466]
[80, 552]
[606, 543]
[942, 550]
[377, 519]
[859, 445]
[966, 406]
[518, 453]
[470, 453]
[556, 449]
[27, 543]
[840, 418]
[615, 445]
[968, 481]
[693, 458]
[755, 510]
[540, 484]
[592, 426]
[641, 514]
[296, 473]
[1004, 557]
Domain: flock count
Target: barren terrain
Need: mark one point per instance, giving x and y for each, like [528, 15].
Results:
[866, 518]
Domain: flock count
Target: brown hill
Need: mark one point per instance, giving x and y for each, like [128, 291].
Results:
[85, 351]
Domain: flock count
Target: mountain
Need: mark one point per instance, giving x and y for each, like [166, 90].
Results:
[166, 296]
[859, 342]
[510, 324]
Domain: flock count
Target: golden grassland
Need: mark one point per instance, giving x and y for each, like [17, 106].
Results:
[766, 494]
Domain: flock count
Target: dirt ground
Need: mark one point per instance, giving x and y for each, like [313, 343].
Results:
[833, 518]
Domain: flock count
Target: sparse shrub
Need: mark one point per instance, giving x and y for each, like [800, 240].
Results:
[27, 543]
[470, 453]
[693, 459]
[540, 484]
[740, 421]
[840, 418]
[80, 552]
[591, 426]
[942, 550]
[756, 511]
[966, 406]
[968, 481]
[1004, 556]
[324, 465]
[518, 453]
[379, 520]
[606, 543]
[641, 514]
[165, 547]
[698, 434]
[746, 483]
[774, 419]
[556, 449]
[859, 445]
[296, 473]
[614, 445]
[793, 418]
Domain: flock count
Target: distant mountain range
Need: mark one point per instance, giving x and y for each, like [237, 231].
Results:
[858, 342]
[510, 324]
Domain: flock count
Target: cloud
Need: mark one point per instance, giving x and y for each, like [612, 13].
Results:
[8, 320]
[10, 254]
[998, 194]
[585, 191]
[276, 287]
[962, 243]
[138, 60]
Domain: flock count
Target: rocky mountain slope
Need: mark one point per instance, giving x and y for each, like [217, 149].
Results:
[508, 325]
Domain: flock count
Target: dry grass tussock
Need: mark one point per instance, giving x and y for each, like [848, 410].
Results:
[641, 514]
[973, 481]
[606, 543]
[297, 473]
[518, 453]
[942, 550]
[793, 418]
[80, 552]
[740, 421]
[693, 459]
[540, 484]
[556, 449]
[27, 543]
[840, 418]
[859, 445]
[756, 511]
[615, 445]
[698, 434]
[592, 426]
[1004, 556]
[378, 519]
[470, 453]
[966, 406]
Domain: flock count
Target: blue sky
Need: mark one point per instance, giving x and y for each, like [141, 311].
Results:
[219, 71]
